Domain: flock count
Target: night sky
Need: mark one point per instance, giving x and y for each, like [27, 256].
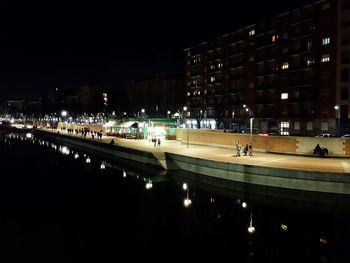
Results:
[46, 44]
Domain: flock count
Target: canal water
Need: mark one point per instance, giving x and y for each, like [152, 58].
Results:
[60, 204]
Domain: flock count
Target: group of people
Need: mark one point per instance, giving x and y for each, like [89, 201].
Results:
[156, 141]
[247, 150]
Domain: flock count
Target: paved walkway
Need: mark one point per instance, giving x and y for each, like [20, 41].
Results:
[261, 159]
[341, 165]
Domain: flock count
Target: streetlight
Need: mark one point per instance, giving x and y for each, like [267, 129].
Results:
[251, 128]
[337, 121]
[188, 134]
[64, 115]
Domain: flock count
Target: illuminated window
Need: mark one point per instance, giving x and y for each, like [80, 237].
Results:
[325, 58]
[326, 41]
[188, 94]
[220, 65]
[212, 66]
[285, 35]
[309, 45]
[274, 38]
[285, 65]
[284, 128]
[284, 96]
[251, 32]
[212, 79]
[309, 62]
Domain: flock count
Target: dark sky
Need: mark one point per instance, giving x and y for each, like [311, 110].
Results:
[45, 44]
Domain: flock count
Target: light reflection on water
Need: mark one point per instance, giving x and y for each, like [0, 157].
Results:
[81, 206]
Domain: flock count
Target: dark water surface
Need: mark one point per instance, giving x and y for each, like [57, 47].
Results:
[56, 208]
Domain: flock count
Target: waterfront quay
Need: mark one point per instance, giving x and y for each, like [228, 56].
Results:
[329, 175]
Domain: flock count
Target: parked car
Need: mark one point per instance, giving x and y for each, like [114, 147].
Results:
[345, 136]
[323, 135]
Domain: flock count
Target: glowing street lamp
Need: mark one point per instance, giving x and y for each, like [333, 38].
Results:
[337, 120]
[188, 134]
[64, 113]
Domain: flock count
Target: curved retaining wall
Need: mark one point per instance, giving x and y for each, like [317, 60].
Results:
[275, 177]
[113, 151]
[338, 183]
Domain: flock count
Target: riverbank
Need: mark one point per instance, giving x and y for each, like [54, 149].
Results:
[329, 175]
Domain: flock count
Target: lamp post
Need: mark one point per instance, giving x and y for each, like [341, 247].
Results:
[188, 134]
[64, 115]
[337, 121]
[251, 128]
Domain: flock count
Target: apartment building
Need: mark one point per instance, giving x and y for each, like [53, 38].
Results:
[287, 75]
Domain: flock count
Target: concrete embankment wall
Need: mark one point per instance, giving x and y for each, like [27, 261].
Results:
[275, 177]
[276, 144]
[112, 151]
[338, 183]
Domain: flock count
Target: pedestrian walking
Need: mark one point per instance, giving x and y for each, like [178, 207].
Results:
[250, 149]
[238, 149]
[245, 150]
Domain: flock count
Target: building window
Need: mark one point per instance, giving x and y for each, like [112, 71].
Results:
[324, 92]
[326, 6]
[284, 96]
[284, 128]
[220, 65]
[309, 62]
[344, 75]
[212, 67]
[251, 84]
[212, 79]
[285, 50]
[344, 93]
[309, 126]
[325, 58]
[324, 126]
[188, 94]
[274, 38]
[285, 35]
[285, 65]
[326, 41]
[251, 58]
[345, 58]
[296, 125]
[251, 32]
[309, 45]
